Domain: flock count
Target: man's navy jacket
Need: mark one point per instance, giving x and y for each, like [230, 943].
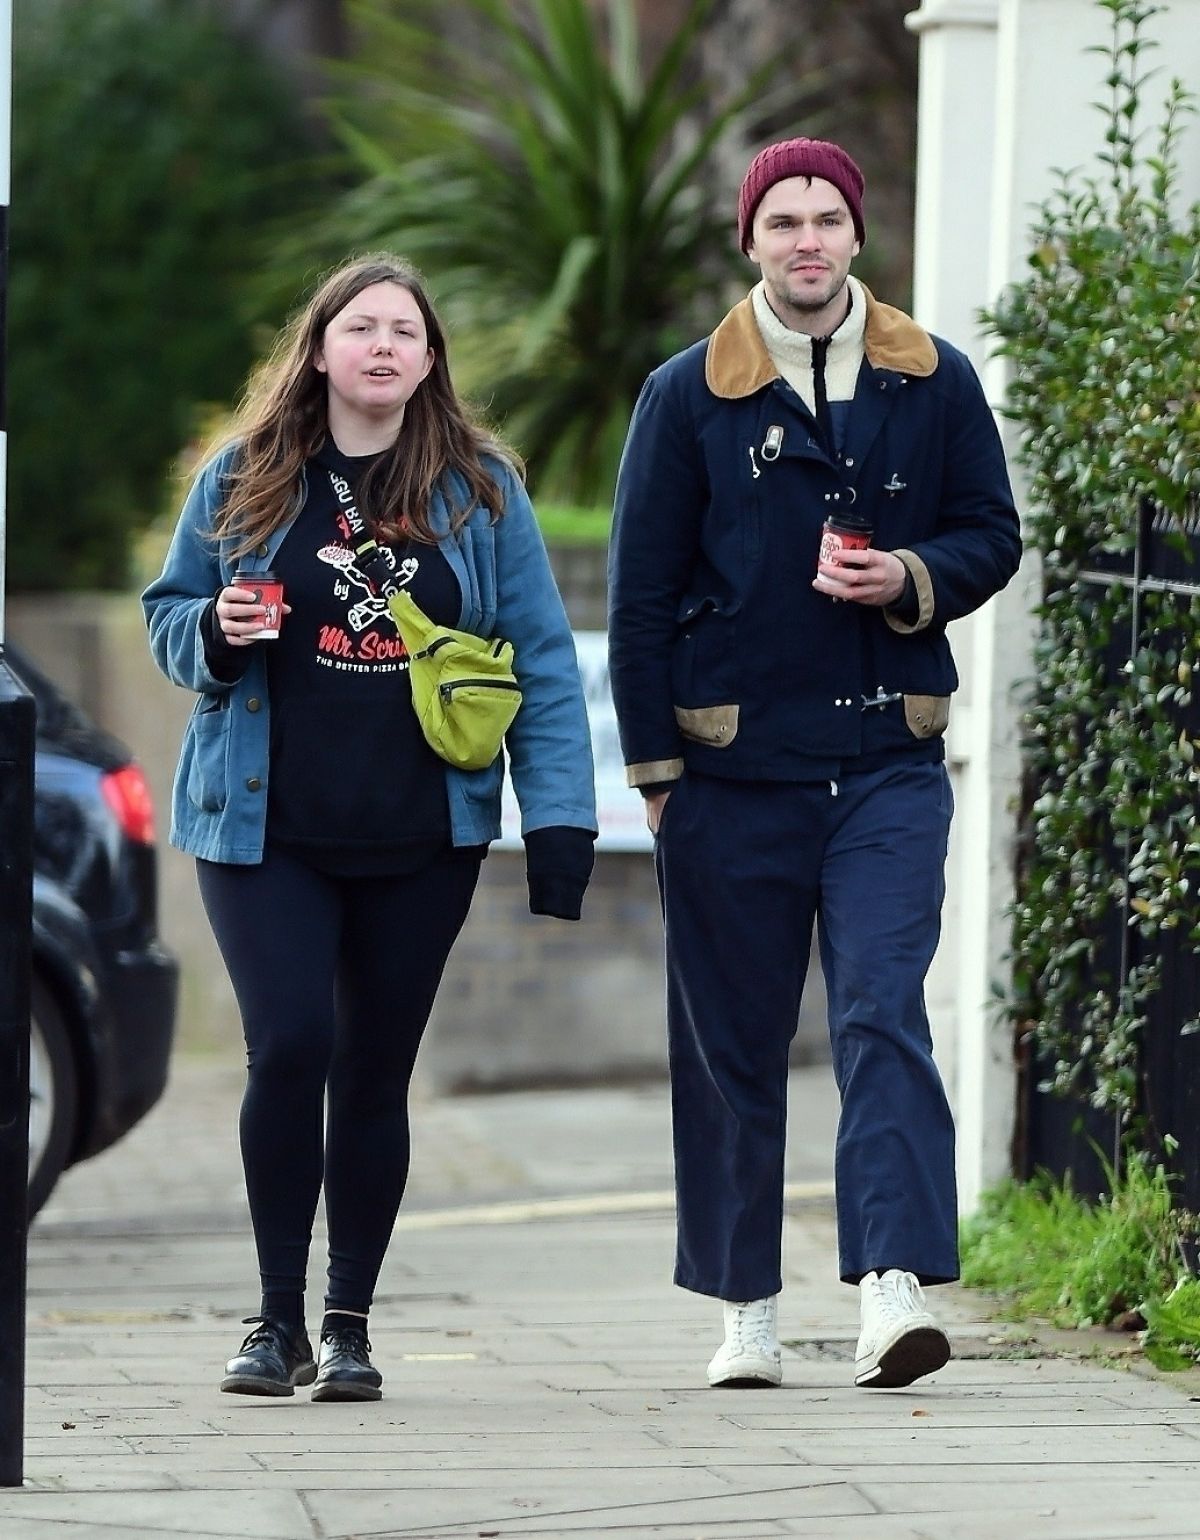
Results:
[723, 657]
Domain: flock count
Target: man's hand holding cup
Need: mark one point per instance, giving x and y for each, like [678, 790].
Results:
[848, 567]
[864, 576]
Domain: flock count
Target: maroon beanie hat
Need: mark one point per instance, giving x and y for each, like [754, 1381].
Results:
[800, 157]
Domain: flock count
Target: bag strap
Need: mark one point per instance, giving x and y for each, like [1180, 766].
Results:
[369, 555]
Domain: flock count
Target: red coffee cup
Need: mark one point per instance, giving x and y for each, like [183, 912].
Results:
[844, 532]
[267, 591]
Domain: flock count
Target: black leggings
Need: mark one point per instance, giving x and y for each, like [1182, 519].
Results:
[335, 978]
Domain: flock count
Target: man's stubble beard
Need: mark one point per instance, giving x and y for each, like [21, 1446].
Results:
[803, 306]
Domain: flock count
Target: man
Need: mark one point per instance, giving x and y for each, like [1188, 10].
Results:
[782, 704]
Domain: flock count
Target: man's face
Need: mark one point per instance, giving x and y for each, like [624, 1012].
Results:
[803, 240]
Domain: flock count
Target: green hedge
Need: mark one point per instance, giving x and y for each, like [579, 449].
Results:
[1104, 339]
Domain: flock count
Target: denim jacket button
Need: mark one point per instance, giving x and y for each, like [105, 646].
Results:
[261, 548]
[253, 783]
[253, 704]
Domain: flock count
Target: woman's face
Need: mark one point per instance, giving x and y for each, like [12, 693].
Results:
[374, 353]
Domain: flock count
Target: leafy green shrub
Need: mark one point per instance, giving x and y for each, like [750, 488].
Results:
[555, 192]
[149, 147]
[1104, 339]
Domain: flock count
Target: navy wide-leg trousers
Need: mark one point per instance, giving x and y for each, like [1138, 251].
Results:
[744, 870]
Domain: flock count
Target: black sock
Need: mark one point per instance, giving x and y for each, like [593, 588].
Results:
[339, 1320]
[285, 1306]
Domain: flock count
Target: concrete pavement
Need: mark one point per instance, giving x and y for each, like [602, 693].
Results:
[542, 1377]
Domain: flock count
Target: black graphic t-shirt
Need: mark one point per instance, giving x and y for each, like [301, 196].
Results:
[354, 787]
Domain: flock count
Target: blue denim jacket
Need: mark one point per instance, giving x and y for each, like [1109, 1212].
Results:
[219, 805]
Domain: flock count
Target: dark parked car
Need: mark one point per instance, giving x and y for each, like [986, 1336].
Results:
[103, 988]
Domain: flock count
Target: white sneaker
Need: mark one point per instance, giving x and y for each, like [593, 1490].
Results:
[899, 1340]
[750, 1356]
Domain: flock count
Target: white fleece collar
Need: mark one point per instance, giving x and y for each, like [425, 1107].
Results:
[791, 352]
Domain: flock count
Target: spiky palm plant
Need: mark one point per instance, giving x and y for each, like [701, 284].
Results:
[557, 194]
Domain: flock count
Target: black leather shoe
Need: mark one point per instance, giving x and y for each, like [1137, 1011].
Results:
[344, 1368]
[272, 1361]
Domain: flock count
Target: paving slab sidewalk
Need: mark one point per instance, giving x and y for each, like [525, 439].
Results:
[542, 1375]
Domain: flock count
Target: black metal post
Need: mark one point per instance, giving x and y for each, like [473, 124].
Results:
[16, 901]
[16, 897]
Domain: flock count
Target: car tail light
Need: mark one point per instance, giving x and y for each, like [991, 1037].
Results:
[128, 795]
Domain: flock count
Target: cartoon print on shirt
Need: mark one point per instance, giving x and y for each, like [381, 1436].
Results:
[374, 606]
[373, 641]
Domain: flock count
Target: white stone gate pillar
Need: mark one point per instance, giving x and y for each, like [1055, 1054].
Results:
[953, 257]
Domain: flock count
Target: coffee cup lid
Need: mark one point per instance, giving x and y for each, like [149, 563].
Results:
[849, 520]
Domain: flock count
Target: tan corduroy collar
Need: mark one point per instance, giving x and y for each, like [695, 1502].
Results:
[738, 363]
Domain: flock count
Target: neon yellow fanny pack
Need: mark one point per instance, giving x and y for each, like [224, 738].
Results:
[464, 690]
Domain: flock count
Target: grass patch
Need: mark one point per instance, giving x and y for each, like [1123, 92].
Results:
[1173, 1327]
[562, 524]
[1048, 1252]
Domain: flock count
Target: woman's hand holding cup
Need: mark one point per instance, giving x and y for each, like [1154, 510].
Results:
[251, 610]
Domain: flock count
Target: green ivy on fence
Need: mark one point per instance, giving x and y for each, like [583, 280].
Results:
[1104, 341]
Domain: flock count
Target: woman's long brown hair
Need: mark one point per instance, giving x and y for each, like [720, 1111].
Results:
[282, 421]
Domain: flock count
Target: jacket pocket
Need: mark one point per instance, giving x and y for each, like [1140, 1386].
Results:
[927, 715]
[715, 726]
[704, 660]
[484, 785]
[208, 773]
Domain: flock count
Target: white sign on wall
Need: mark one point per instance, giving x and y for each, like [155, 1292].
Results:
[621, 812]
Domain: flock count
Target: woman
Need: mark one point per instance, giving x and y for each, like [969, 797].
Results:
[337, 854]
